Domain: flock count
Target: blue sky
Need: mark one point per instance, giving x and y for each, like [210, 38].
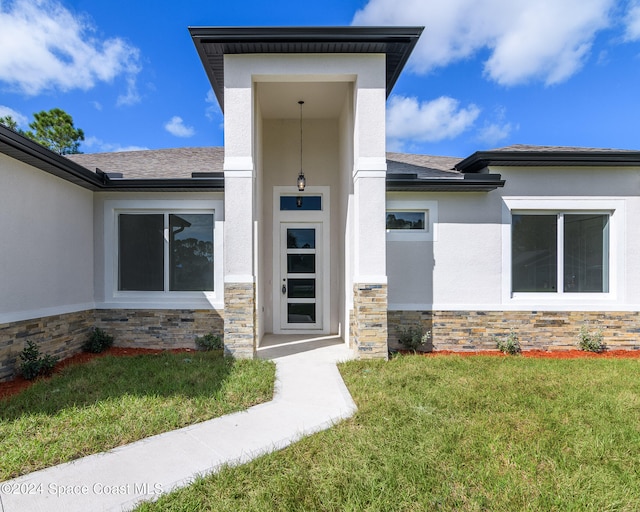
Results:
[485, 74]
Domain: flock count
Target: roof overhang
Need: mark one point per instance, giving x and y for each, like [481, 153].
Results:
[213, 43]
[481, 160]
[466, 183]
[29, 152]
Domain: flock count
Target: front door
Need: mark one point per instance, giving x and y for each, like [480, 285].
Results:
[301, 276]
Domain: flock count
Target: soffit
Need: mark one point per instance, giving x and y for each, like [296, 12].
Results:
[213, 43]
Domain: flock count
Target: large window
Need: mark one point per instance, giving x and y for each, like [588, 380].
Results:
[165, 252]
[560, 252]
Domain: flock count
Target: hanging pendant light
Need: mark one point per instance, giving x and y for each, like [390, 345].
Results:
[301, 182]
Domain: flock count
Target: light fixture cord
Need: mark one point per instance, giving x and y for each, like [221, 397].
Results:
[301, 103]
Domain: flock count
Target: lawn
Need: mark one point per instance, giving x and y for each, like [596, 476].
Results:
[112, 401]
[454, 433]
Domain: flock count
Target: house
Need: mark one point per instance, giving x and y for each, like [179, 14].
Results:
[304, 225]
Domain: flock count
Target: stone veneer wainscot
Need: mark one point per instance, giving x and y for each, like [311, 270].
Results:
[542, 330]
[369, 327]
[240, 320]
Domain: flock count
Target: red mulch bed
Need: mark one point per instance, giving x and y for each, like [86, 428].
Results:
[19, 383]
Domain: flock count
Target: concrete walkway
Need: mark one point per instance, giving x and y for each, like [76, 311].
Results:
[310, 396]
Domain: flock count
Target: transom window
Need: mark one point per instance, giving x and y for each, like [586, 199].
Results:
[560, 252]
[165, 251]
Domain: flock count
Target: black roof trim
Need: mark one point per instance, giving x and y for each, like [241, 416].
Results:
[31, 153]
[25, 150]
[467, 183]
[213, 43]
[481, 160]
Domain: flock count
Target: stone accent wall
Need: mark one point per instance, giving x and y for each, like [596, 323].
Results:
[544, 330]
[63, 335]
[58, 335]
[369, 330]
[240, 320]
[158, 328]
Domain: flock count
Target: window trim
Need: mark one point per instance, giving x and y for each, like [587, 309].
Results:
[430, 210]
[166, 298]
[544, 205]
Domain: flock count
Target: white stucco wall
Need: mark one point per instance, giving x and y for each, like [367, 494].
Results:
[46, 254]
[466, 266]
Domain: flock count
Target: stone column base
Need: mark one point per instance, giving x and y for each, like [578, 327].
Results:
[240, 320]
[369, 328]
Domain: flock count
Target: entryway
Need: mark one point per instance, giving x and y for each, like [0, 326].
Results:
[301, 270]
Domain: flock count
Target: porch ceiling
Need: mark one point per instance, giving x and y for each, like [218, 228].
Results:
[279, 100]
[213, 43]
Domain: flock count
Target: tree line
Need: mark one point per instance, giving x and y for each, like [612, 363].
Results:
[53, 129]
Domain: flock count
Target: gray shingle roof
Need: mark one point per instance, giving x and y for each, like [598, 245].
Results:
[424, 166]
[558, 149]
[156, 163]
[181, 162]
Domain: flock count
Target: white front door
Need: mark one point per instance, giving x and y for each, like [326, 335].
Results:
[301, 279]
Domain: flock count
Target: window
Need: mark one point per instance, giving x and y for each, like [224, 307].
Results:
[301, 202]
[407, 220]
[165, 252]
[410, 218]
[560, 252]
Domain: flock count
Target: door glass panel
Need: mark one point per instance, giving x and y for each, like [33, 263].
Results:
[301, 313]
[302, 288]
[301, 263]
[301, 238]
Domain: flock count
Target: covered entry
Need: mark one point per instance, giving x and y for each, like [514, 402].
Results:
[312, 259]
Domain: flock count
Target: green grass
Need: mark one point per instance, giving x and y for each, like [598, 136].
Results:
[454, 433]
[112, 401]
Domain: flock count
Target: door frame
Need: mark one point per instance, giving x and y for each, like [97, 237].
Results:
[303, 217]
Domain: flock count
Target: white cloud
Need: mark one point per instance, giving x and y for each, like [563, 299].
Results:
[492, 133]
[429, 121]
[632, 22]
[46, 47]
[177, 127]
[546, 40]
[496, 130]
[99, 146]
[22, 120]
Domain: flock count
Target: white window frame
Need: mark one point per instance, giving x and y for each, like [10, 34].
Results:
[412, 204]
[615, 208]
[167, 298]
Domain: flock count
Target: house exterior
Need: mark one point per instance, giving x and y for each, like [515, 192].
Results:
[157, 247]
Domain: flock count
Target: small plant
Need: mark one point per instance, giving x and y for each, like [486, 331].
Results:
[209, 342]
[33, 365]
[590, 341]
[413, 338]
[510, 345]
[98, 341]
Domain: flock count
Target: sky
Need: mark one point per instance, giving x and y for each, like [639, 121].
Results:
[485, 73]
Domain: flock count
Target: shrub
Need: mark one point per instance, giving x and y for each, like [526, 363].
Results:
[510, 345]
[33, 365]
[590, 341]
[413, 338]
[209, 342]
[98, 341]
